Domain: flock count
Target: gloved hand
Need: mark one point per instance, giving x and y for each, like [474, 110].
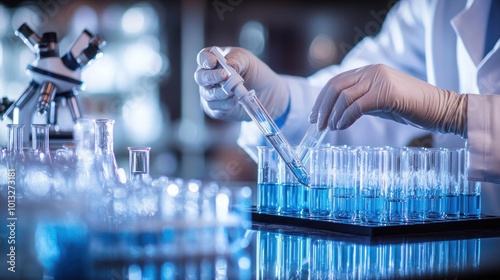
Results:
[385, 92]
[270, 88]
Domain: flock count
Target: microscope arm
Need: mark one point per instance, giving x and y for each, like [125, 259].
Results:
[22, 100]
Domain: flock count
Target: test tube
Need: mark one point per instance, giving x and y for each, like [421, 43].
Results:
[344, 189]
[416, 182]
[470, 204]
[292, 191]
[259, 115]
[456, 174]
[321, 170]
[312, 139]
[396, 193]
[268, 188]
[437, 180]
[374, 177]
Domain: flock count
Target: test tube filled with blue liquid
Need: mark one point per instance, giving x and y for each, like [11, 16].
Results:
[437, 177]
[456, 173]
[268, 188]
[292, 198]
[396, 193]
[374, 177]
[470, 199]
[344, 185]
[417, 181]
[320, 190]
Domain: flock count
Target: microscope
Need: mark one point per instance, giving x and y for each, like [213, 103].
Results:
[55, 80]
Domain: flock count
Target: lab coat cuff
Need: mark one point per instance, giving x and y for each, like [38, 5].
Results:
[481, 133]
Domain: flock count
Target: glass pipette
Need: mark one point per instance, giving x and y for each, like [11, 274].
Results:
[261, 117]
[312, 139]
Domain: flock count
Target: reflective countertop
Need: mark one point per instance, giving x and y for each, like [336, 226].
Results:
[268, 252]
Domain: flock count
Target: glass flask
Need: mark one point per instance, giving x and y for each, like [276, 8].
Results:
[85, 179]
[85, 138]
[106, 167]
[38, 179]
[63, 175]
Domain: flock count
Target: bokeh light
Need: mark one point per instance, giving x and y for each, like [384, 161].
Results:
[253, 37]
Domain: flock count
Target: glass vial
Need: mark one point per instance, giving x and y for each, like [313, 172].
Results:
[138, 163]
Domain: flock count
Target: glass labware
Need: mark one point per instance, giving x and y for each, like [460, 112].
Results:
[142, 221]
[86, 177]
[15, 157]
[105, 161]
[38, 179]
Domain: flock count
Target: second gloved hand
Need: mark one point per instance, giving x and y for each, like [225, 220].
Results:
[269, 87]
[382, 91]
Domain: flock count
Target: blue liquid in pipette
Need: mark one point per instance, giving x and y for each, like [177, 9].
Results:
[288, 155]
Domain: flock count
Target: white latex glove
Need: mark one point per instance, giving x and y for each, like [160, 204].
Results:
[270, 88]
[382, 91]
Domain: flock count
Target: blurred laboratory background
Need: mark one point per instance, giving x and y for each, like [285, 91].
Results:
[144, 81]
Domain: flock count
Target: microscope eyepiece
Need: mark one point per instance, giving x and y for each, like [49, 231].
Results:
[92, 52]
[29, 37]
[85, 50]
[48, 45]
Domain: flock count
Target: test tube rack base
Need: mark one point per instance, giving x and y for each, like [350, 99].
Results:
[483, 222]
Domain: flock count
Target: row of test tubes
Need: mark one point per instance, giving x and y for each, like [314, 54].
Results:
[288, 256]
[371, 185]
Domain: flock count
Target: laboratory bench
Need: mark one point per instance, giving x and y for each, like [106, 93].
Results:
[51, 250]
[55, 241]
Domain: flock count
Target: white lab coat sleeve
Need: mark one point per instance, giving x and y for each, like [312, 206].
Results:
[399, 44]
[482, 133]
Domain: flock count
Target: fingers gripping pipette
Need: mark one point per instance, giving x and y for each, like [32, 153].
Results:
[248, 100]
